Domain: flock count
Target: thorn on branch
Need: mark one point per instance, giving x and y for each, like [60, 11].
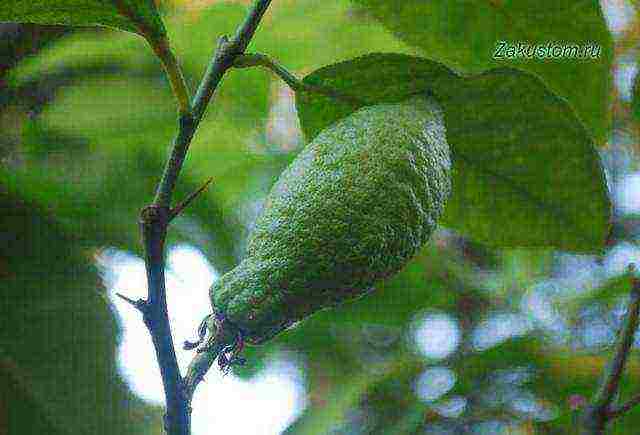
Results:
[139, 305]
[175, 212]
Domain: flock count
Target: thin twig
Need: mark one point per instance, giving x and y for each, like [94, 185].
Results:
[245, 32]
[161, 47]
[610, 386]
[179, 86]
[625, 407]
[225, 54]
[198, 367]
[214, 336]
[154, 220]
[297, 85]
[598, 413]
[222, 60]
[259, 59]
[612, 379]
[172, 169]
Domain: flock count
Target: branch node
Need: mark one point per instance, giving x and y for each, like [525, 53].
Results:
[152, 215]
[264, 61]
[226, 50]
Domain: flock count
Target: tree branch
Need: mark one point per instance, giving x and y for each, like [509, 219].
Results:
[186, 129]
[225, 54]
[597, 415]
[222, 60]
[627, 406]
[154, 221]
[220, 337]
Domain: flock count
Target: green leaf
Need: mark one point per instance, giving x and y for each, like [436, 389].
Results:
[123, 137]
[526, 172]
[57, 331]
[27, 416]
[82, 54]
[137, 16]
[465, 35]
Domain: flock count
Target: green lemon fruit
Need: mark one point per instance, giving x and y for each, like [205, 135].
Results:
[354, 206]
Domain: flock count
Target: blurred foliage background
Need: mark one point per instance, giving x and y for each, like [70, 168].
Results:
[465, 340]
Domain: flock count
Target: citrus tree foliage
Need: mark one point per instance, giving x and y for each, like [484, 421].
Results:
[466, 35]
[521, 156]
[88, 120]
[137, 16]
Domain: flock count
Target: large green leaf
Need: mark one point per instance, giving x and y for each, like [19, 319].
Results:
[336, 33]
[465, 35]
[526, 172]
[99, 176]
[137, 16]
[23, 414]
[20, 40]
[124, 136]
[57, 331]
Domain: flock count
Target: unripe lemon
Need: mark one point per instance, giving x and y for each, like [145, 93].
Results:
[354, 206]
